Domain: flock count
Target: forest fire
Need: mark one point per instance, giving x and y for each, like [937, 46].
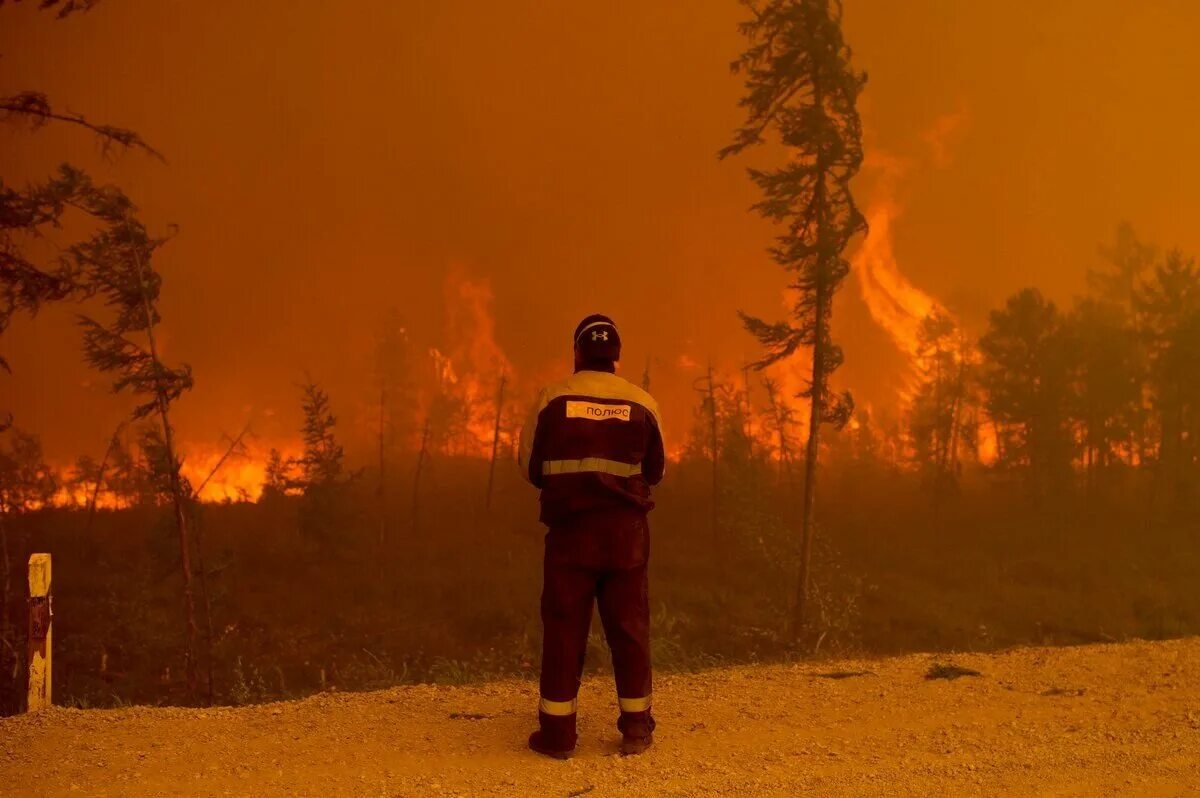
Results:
[219, 475]
[216, 475]
[895, 303]
[458, 394]
[266, 354]
[467, 393]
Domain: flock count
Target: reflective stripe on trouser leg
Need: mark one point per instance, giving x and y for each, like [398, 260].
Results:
[625, 612]
[634, 704]
[558, 708]
[567, 598]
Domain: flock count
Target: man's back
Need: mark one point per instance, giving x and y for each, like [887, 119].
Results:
[593, 441]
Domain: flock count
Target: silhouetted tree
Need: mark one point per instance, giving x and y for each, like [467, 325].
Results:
[1026, 374]
[321, 463]
[866, 440]
[1128, 261]
[780, 423]
[496, 431]
[1107, 387]
[800, 82]
[719, 422]
[25, 283]
[938, 418]
[120, 475]
[1170, 306]
[279, 476]
[62, 8]
[396, 390]
[322, 472]
[706, 438]
[235, 449]
[115, 264]
[422, 457]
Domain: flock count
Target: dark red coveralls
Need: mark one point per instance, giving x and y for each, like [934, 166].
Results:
[594, 446]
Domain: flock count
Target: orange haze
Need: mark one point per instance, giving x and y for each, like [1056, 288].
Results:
[496, 171]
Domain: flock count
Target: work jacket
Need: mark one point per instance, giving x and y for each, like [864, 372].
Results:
[592, 441]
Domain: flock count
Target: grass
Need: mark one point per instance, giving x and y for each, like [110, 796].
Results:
[455, 599]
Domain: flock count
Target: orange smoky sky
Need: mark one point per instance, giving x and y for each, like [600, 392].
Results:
[329, 161]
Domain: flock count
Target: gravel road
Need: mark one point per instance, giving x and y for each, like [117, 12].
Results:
[1120, 719]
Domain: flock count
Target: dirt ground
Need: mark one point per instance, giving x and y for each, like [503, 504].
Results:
[1096, 720]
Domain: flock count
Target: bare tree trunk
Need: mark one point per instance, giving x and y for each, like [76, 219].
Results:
[178, 499]
[960, 388]
[774, 404]
[940, 438]
[807, 513]
[416, 491]
[817, 405]
[380, 488]
[1091, 449]
[939, 434]
[495, 440]
[713, 443]
[208, 622]
[8, 648]
[206, 597]
[112, 444]
[747, 426]
[185, 558]
[1000, 453]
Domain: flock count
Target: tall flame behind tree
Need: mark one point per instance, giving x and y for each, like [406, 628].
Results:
[800, 83]
[115, 265]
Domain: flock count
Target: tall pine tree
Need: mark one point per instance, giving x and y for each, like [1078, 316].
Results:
[800, 84]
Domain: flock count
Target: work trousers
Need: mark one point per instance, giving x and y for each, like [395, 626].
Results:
[596, 558]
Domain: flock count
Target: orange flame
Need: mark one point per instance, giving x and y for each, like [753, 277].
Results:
[894, 302]
[471, 367]
[240, 478]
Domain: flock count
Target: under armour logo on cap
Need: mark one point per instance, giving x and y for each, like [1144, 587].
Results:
[597, 328]
[597, 337]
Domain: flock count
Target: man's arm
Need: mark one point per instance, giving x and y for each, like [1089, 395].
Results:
[654, 465]
[527, 455]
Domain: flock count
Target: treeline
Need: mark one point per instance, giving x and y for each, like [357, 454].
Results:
[327, 504]
[1093, 397]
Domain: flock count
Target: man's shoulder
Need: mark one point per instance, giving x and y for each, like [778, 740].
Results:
[601, 385]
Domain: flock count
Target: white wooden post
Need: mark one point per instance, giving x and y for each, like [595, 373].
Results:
[39, 632]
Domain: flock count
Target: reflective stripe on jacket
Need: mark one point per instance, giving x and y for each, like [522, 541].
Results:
[592, 441]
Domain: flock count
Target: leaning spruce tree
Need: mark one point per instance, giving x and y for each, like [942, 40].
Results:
[115, 266]
[800, 84]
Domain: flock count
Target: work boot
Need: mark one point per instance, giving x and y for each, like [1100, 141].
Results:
[637, 732]
[556, 737]
[540, 742]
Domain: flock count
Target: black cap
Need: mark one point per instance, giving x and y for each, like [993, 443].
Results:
[597, 338]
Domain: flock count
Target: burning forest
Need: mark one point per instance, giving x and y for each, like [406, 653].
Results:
[263, 388]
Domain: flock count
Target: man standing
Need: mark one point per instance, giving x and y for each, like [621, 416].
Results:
[594, 446]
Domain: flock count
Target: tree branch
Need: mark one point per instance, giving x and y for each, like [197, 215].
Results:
[36, 107]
